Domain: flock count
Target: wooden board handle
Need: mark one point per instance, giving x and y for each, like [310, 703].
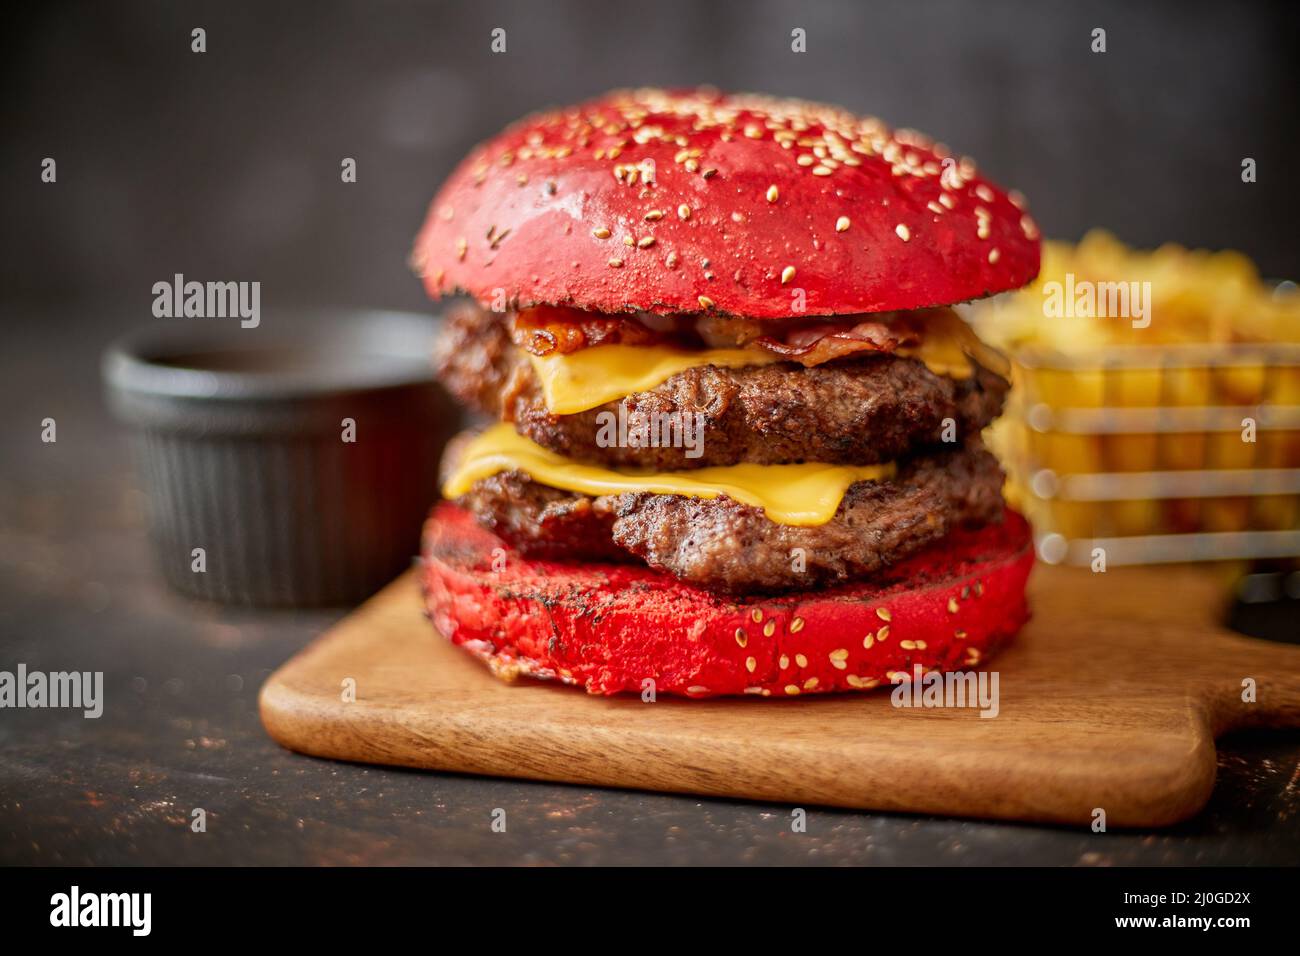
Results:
[1275, 669]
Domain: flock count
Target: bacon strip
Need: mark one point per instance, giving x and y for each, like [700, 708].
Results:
[545, 330]
[548, 329]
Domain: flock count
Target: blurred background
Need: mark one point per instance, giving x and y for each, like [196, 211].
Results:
[226, 164]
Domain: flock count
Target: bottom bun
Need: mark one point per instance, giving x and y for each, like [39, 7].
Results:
[612, 628]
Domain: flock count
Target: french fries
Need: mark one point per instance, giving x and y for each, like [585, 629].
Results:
[1196, 375]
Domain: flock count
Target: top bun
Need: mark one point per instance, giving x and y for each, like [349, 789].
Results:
[694, 201]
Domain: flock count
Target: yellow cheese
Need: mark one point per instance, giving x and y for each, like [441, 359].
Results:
[593, 376]
[948, 346]
[590, 377]
[941, 355]
[804, 494]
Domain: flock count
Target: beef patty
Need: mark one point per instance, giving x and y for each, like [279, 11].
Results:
[724, 545]
[849, 411]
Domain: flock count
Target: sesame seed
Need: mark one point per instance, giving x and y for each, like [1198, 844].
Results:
[787, 274]
[791, 689]
[842, 224]
[883, 613]
[629, 241]
[750, 664]
[994, 256]
[772, 193]
[796, 625]
[801, 660]
[754, 690]
[653, 214]
[920, 645]
[462, 244]
[692, 165]
[959, 634]
[753, 131]
[672, 260]
[741, 638]
[868, 641]
[757, 614]
[903, 232]
[616, 263]
[710, 173]
[683, 211]
[822, 171]
[984, 192]
[946, 200]
[806, 159]
[705, 302]
[769, 628]
[645, 242]
[883, 633]
[785, 662]
[697, 689]
[952, 605]
[907, 645]
[600, 232]
[934, 207]
[810, 683]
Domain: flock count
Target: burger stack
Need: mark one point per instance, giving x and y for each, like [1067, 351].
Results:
[732, 439]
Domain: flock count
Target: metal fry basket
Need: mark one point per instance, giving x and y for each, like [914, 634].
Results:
[1156, 453]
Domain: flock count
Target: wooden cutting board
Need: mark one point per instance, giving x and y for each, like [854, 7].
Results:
[1111, 698]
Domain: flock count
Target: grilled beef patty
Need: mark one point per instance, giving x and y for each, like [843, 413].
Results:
[723, 545]
[848, 411]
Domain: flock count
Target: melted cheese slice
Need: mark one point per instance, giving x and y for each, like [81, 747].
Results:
[593, 376]
[804, 494]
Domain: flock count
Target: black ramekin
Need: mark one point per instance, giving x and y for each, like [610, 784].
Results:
[239, 442]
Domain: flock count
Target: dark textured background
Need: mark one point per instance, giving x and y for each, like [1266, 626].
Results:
[226, 164]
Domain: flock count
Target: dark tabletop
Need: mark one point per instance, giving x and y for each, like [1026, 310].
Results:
[78, 591]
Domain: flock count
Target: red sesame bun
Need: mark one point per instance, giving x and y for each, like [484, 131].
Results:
[609, 627]
[752, 198]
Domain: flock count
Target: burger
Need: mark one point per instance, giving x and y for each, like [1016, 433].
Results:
[730, 437]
